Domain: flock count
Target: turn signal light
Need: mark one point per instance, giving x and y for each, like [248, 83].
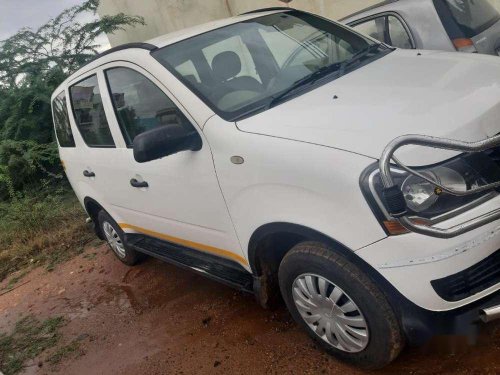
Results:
[464, 45]
[394, 227]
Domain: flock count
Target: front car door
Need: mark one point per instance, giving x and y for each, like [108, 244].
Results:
[182, 202]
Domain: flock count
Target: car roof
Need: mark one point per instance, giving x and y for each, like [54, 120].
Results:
[170, 38]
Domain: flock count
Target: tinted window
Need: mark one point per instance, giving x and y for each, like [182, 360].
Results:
[242, 67]
[61, 121]
[89, 113]
[466, 18]
[139, 104]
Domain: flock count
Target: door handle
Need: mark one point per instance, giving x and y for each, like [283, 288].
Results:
[86, 173]
[138, 184]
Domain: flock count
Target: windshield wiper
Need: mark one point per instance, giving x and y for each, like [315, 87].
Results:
[339, 68]
[358, 56]
[305, 81]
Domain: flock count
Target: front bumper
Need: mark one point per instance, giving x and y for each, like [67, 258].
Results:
[412, 262]
[420, 325]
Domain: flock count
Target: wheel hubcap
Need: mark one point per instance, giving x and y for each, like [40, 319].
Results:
[114, 239]
[330, 313]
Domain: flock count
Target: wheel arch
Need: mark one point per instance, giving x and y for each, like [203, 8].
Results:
[93, 207]
[270, 243]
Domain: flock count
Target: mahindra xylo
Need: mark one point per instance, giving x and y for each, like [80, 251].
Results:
[288, 155]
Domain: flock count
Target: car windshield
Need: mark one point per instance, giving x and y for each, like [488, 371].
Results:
[247, 67]
[473, 16]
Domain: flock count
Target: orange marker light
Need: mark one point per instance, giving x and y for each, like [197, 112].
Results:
[395, 228]
[464, 45]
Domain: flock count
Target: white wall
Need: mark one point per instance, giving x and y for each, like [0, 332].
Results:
[164, 16]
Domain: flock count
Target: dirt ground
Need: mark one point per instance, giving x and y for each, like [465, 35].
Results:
[158, 319]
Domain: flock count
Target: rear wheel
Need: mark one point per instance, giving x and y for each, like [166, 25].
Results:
[115, 238]
[339, 306]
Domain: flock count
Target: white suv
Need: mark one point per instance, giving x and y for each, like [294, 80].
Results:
[259, 151]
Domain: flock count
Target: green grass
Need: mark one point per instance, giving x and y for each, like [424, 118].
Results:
[66, 351]
[41, 230]
[15, 280]
[29, 338]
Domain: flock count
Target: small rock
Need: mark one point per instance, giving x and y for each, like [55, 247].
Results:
[206, 321]
[217, 363]
[82, 337]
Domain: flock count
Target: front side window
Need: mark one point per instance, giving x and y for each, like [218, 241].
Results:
[139, 104]
[61, 121]
[374, 27]
[242, 68]
[388, 29]
[89, 113]
[398, 36]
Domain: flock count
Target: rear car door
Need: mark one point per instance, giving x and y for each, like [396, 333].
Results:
[91, 166]
[182, 202]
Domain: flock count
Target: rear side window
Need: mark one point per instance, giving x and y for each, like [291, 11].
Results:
[89, 113]
[139, 104]
[466, 18]
[61, 121]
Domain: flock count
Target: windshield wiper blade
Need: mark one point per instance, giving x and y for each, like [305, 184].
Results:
[339, 68]
[305, 81]
[358, 56]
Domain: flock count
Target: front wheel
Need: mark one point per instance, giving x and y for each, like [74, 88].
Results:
[339, 306]
[115, 238]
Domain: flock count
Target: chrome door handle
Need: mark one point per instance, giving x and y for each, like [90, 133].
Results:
[86, 173]
[138, 184]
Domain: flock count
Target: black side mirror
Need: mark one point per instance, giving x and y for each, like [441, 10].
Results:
[165, 140]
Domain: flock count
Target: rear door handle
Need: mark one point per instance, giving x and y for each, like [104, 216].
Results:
[86, 173]
[138, 184]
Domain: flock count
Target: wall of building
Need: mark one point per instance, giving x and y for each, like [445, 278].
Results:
[164, 16]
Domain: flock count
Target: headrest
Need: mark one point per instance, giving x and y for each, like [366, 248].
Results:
[226, 65]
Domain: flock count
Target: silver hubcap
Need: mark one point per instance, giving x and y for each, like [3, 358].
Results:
[330, 313]
[114, 239]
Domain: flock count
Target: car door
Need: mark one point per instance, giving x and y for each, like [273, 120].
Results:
[180, 200]
[92, 164]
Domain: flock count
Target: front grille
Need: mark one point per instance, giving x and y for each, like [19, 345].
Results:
[470, 281]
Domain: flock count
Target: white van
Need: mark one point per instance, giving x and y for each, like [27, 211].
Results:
[266, 151]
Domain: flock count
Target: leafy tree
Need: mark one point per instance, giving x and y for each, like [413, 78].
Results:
[32, 64]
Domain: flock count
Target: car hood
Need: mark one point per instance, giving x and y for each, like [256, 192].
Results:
[441, 94]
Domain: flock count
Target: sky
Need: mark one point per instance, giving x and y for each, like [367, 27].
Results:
[15, 14]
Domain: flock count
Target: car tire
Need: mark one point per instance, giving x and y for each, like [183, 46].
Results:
[326, 293]
[114, 235]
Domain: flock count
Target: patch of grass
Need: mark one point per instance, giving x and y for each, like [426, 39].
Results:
[66, 351]
[15, 279]
[29, 338]
[41, 230]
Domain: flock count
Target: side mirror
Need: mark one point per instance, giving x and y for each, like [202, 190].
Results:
[165, 140]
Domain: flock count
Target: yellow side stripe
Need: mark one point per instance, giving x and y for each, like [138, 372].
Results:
[191, 244]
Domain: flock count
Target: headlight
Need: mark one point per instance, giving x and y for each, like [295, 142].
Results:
[424, 200]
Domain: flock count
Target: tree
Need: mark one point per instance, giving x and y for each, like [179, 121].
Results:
[32, 64]
[61, 44]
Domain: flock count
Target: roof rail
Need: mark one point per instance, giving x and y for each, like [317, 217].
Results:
[147, 46]
[261, 10]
